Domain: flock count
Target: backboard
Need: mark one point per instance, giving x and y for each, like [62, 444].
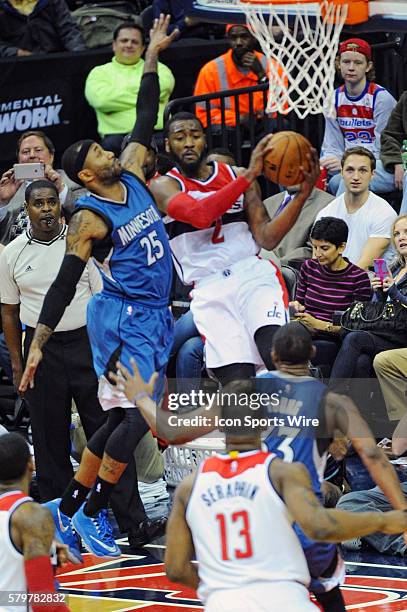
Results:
[384, 15]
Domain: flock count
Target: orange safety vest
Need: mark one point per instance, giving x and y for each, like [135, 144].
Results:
[222, 74]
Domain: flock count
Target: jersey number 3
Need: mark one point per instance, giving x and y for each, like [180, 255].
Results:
[154, 246]
[246, 549]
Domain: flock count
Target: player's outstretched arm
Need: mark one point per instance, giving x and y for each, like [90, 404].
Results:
[269, 232]
[169, 426]
[293, 483]
[342, 414]
[133, 156]
[84, 227]
[180, 548]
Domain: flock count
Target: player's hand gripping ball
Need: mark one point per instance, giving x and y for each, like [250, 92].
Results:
[282, 164]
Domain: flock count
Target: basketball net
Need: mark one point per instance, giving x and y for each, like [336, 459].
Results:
[302, 64]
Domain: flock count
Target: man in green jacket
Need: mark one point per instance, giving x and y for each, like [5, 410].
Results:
[391, 140]
[112, 89]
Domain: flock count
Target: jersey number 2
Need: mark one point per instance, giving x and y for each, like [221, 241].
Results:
[154, 246]
[246, 550]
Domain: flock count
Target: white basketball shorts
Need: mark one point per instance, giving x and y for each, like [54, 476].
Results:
[230, 306]
[258, 597]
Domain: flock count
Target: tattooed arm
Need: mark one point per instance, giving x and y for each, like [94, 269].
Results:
[84, 227]
[32, 531]
[342, 414]
[293, 483]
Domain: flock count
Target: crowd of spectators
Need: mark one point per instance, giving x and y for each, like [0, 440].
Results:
[334, 244]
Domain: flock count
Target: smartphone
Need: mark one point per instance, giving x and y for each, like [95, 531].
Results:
[292, 311]
[29, 171]
[381, 269]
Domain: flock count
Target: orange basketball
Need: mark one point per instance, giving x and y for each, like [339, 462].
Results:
[282, 164]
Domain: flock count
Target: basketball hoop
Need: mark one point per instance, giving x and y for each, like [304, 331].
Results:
[307, 51]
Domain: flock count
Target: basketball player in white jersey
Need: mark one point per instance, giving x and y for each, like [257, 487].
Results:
[26, 534]
[217, 224]
[235, 517]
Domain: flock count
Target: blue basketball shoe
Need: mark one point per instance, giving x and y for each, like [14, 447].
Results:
[96, 533]
[64, 531]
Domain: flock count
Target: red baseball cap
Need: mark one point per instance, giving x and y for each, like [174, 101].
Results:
[358, 45]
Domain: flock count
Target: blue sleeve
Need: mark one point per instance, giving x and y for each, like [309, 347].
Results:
[396, 294]
[175, 8]
[383, 107]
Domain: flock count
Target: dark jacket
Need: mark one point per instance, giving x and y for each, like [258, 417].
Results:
[175, 8]
[398, 291]
[48, 29]
[395, 132]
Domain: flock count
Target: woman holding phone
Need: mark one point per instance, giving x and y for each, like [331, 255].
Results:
[355, 357]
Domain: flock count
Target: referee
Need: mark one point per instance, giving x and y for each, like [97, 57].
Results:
[28, 266]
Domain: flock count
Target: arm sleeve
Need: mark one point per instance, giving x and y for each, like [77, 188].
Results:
[381, 226]
[334, 142]
[62, 291]
[301, 290]
[7, 50]
[363, 289]
[67, 28]
[393, 135]
[382, 111]
[396, 294]
[9, 292]
[146, 113]
[202, 213]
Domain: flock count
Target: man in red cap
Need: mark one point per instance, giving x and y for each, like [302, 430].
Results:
[362, 111]
[241, 66]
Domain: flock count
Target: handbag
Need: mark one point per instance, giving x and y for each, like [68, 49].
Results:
[387, 320]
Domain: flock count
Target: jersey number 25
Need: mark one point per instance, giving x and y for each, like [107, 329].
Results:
[154, 246]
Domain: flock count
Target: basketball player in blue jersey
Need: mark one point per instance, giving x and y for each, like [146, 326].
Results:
[302, 397]
[119, 225]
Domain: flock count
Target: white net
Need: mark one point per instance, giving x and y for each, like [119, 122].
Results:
[302, 63]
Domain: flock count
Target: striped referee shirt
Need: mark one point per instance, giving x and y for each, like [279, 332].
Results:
[28, 267]
[322, 291]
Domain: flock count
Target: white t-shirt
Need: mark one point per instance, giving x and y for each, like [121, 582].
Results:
[28, 267]
[373, 220]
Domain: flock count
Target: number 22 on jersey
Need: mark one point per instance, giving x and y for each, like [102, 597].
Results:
[235, 536]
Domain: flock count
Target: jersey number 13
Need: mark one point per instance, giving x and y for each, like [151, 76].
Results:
[228, 525]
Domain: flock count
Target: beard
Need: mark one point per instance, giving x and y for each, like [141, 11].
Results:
[111, 174]
[188, 168]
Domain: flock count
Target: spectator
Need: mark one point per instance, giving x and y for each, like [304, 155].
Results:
[391, 371]
[294, 244]
[372, 500]
[355, 357]
[175, 8]
[328, 282]
[37, 27]
[241, 66]
[391, 142]
[367, 216]
[33, 146]
[112, 89]
[362, 111]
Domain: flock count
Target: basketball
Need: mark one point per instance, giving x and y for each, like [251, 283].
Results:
[282, 164]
